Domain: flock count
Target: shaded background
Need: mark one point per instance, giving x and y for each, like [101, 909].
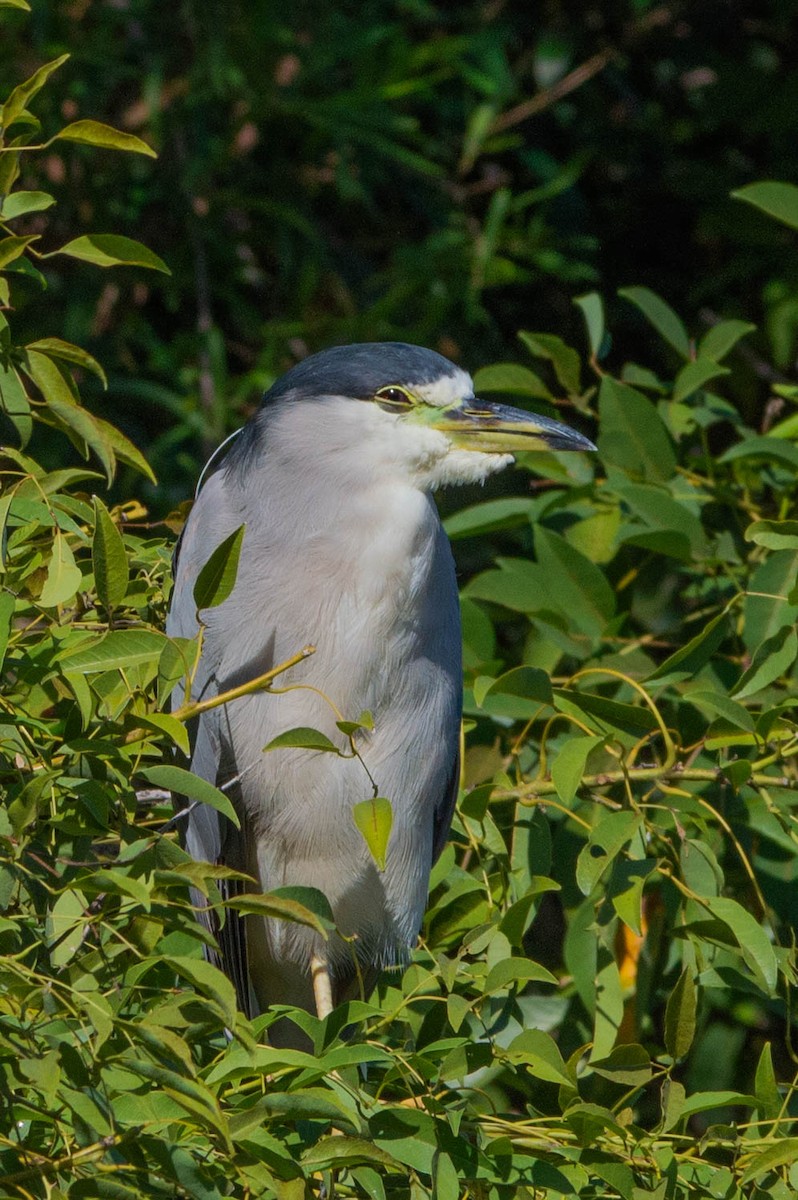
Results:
[396, 169]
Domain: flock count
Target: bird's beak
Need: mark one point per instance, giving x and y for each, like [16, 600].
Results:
[497, 429]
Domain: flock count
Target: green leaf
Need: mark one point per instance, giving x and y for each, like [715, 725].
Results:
[15, 404]
[118, 649]
[562, 357]
[19, 204]
[63, 575]
[111, 250]
[772, 659]
[694, 376]
[6, 614]
[539, 1054]
[55, 347]
[632, 435]
[512, 512]
[605, 716]
[592, 307]
[529, 682]
[278, 907]
[374, 818]
[768, 1096]
[65, 926]
[775, 450]
[609, 1006]
[12, 248]
[574, 584]
[702, 1101]
[610, 834]
[185, 783]
[720, 705]
[217, 578]
[671, 1102]
[779, 200]
[754, 943]
[680, 1016]
[109, 559]
[62, 404]
[690, 658]
[629, 1065]
[124, 449]
[781, 1154]
[510, 378]
[773, 535]
[722, 338]
[515, 970]
[303, 738]
[660, 315]
[95, 133]
[19, 99]
[569, 765]
[627, 881]
[341, 1151]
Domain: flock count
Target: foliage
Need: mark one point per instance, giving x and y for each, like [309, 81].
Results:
[601, 1004]
[438, 173]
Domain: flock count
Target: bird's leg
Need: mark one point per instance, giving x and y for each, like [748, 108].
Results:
[322, 986]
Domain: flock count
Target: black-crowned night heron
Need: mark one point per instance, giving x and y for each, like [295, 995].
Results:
[343, 549]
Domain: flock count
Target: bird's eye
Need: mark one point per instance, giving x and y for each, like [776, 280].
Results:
[394, 399]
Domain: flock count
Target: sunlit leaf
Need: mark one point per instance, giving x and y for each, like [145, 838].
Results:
[111, 250]
[95, 133]
[217, 578]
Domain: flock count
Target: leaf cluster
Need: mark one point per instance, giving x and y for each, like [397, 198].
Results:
[602, 1002]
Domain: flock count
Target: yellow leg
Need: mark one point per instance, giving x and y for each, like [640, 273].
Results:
[322, 986]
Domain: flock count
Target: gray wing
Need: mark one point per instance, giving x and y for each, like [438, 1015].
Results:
[207, 835]
[444, 810]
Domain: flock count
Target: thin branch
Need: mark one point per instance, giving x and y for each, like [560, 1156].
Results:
[563, 87]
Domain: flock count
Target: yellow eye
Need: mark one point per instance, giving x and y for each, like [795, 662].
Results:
[394, 399]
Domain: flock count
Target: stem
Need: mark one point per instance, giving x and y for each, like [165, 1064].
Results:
[194, 708]
[545, 787]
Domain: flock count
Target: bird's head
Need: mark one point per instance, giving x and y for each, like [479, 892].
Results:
[390, 405]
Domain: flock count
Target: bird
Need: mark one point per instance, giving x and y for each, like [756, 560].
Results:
[343, 550]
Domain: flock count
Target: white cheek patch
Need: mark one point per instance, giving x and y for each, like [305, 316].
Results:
[448, 390]
[462, 466]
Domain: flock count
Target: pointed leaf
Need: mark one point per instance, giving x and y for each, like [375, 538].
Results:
[12, 248]
[303, 738]
[633, 435]
[217, 578]
[772, 659]
[510, 378]
[280, 908]
[95, 133]
[111, 250]
[592, 308]
[689, 659]
[695, 375]
[569, 765]
[19, 204]
[680, 1016]
[118, 649]
[63, 575]
[755, 945]
[562, 357]
[660, 315]
[57, 348]
[779, 200]
[109, 559]
[185, 783]
[374, 819]
[18, 101]
[722, 338]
